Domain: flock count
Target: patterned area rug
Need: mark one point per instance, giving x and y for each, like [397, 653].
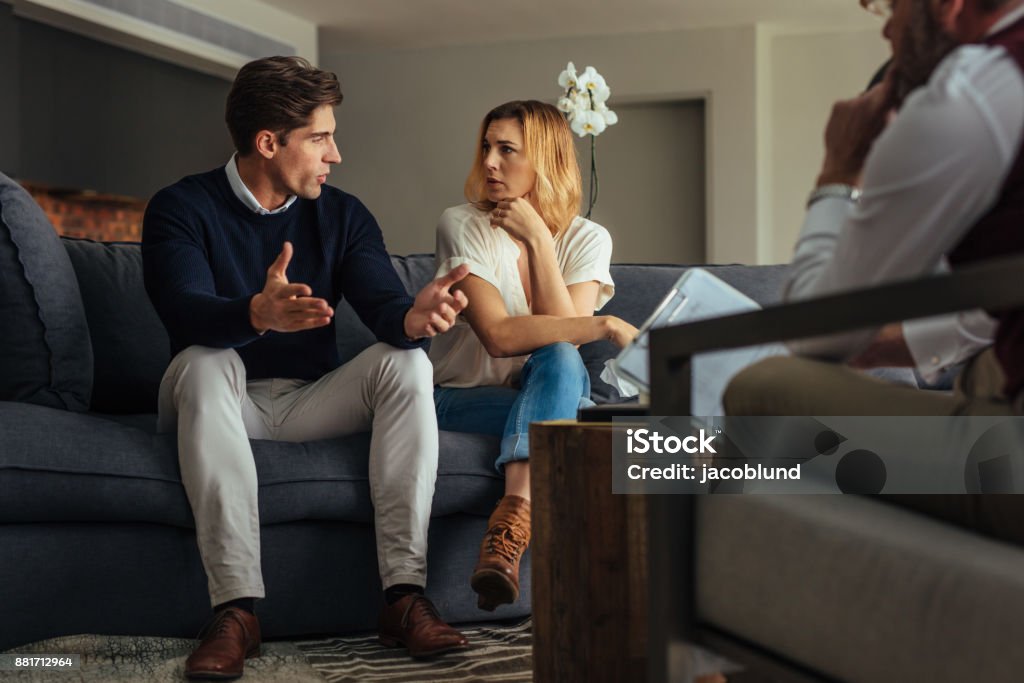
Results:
[498, 652]
[120, 659]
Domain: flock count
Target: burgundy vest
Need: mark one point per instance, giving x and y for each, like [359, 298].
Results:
[1000, 232]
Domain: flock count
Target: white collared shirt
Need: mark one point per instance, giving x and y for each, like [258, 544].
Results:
[247, 197]
[930, 176]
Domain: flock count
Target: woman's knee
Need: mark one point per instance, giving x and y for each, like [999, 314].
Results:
[557, 368]
[560, 357]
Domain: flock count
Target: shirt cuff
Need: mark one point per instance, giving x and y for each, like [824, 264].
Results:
[826, 217]
[933, 344]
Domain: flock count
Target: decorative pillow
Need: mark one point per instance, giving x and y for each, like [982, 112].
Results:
[130, 344]
[351, 335]
[45, 352]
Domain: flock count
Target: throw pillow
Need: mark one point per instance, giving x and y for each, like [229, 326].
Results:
[45, 352]
[130, 344]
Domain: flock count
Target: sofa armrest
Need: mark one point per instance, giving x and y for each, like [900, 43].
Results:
[993, 285]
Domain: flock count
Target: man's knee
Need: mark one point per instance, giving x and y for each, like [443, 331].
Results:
[203, 364]
[409, 368]
[748, 392]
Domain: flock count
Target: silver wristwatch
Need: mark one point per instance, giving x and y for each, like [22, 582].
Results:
[837, 190]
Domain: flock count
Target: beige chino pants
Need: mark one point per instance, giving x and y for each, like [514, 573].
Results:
[204, 395]
[802, 386]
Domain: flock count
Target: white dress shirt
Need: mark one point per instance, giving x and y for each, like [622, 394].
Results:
[247, 197]
[930, 176]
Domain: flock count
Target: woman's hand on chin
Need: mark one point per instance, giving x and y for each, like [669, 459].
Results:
[520, 220]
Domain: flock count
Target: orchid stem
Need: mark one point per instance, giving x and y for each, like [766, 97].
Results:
[594, 185]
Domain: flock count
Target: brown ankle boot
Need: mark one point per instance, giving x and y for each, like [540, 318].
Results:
[496, 577]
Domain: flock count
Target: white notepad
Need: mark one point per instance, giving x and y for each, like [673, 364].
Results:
[696, 295]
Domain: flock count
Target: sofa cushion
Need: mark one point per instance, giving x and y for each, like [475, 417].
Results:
[45, 353]
[353, 336]
[130, 345]
[415, 270]
[57, 466]
[858, 590]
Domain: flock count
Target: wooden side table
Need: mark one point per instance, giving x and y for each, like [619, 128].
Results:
[589, 558]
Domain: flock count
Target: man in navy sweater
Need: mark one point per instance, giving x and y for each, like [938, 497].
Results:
[242, 264]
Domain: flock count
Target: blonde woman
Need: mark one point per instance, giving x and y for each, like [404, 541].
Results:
[538, 271]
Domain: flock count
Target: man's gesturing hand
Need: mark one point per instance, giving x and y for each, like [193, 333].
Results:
[286, 307]
[435, 308]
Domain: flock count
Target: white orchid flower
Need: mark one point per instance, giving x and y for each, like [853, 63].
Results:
[588, 123]
[567, 79]
[581, 101]
[591, 80]
[610, 117]
[601, 94]
[566, 105]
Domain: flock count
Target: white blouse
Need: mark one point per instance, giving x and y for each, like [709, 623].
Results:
[464, 235]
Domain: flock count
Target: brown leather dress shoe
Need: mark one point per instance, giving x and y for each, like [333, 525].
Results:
[496, 576]
[232, 637]
[413, 621]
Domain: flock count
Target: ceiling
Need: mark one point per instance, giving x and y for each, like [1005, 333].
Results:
[358, 25]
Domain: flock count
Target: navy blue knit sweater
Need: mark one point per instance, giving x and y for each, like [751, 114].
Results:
[205, 255]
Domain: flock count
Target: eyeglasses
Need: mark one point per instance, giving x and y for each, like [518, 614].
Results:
[881, 8]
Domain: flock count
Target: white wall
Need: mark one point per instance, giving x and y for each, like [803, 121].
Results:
[123, 29]
[807, 73]
[408, 124]
[262, 18]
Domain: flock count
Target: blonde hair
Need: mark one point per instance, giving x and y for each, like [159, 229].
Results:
[548, 146]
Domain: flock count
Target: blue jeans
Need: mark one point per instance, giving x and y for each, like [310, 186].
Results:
[554, 385]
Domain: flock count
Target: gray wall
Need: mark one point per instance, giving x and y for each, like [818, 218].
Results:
[10, 155]
[407, 147]
[89, 115]
[407, 131]
[651, 170]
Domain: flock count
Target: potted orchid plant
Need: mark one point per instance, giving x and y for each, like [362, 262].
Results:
[585, 107]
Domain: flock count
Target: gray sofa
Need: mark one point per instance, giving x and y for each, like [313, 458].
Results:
[96, 530]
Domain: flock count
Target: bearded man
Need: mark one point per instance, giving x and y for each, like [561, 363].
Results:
[923, 168]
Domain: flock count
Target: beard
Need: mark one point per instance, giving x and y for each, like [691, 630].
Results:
[923, 44]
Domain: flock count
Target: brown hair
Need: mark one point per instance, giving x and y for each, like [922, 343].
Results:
[548, 145]
[277, 94]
